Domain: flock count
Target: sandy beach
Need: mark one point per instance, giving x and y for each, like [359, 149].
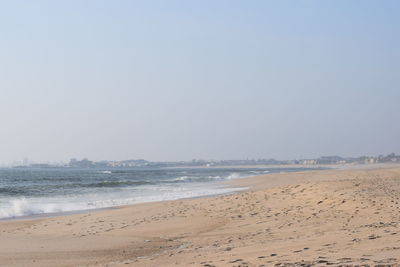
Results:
[331, 217]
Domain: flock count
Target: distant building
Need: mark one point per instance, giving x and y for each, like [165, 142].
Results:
[370, 161]
[84, 163]
[309, 162]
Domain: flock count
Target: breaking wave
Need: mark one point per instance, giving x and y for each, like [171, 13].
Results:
[36, 206]
[27, 192]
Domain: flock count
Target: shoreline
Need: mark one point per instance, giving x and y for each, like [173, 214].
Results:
[226, 184]
[234, 190]
[306, 217]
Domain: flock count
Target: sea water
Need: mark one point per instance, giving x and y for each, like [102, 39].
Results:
[30, 191]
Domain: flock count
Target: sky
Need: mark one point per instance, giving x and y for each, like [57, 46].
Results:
[181, 80]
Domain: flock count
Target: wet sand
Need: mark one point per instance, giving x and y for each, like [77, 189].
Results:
[324, 218]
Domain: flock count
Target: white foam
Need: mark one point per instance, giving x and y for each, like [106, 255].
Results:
[198, 179]
[105, 172]
[182, 178]
[149, 193]
[234, 175]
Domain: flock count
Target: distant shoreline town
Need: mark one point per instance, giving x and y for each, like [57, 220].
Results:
[137, 163]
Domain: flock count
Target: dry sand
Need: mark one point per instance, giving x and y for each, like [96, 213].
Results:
[335, 217]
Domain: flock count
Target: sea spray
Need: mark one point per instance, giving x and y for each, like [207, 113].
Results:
[25, 192]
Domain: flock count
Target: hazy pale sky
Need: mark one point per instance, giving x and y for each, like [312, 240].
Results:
[176, 80]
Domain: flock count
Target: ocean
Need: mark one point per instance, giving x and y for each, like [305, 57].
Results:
[30, 191]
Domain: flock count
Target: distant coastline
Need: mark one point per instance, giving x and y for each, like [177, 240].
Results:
[323, 162]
